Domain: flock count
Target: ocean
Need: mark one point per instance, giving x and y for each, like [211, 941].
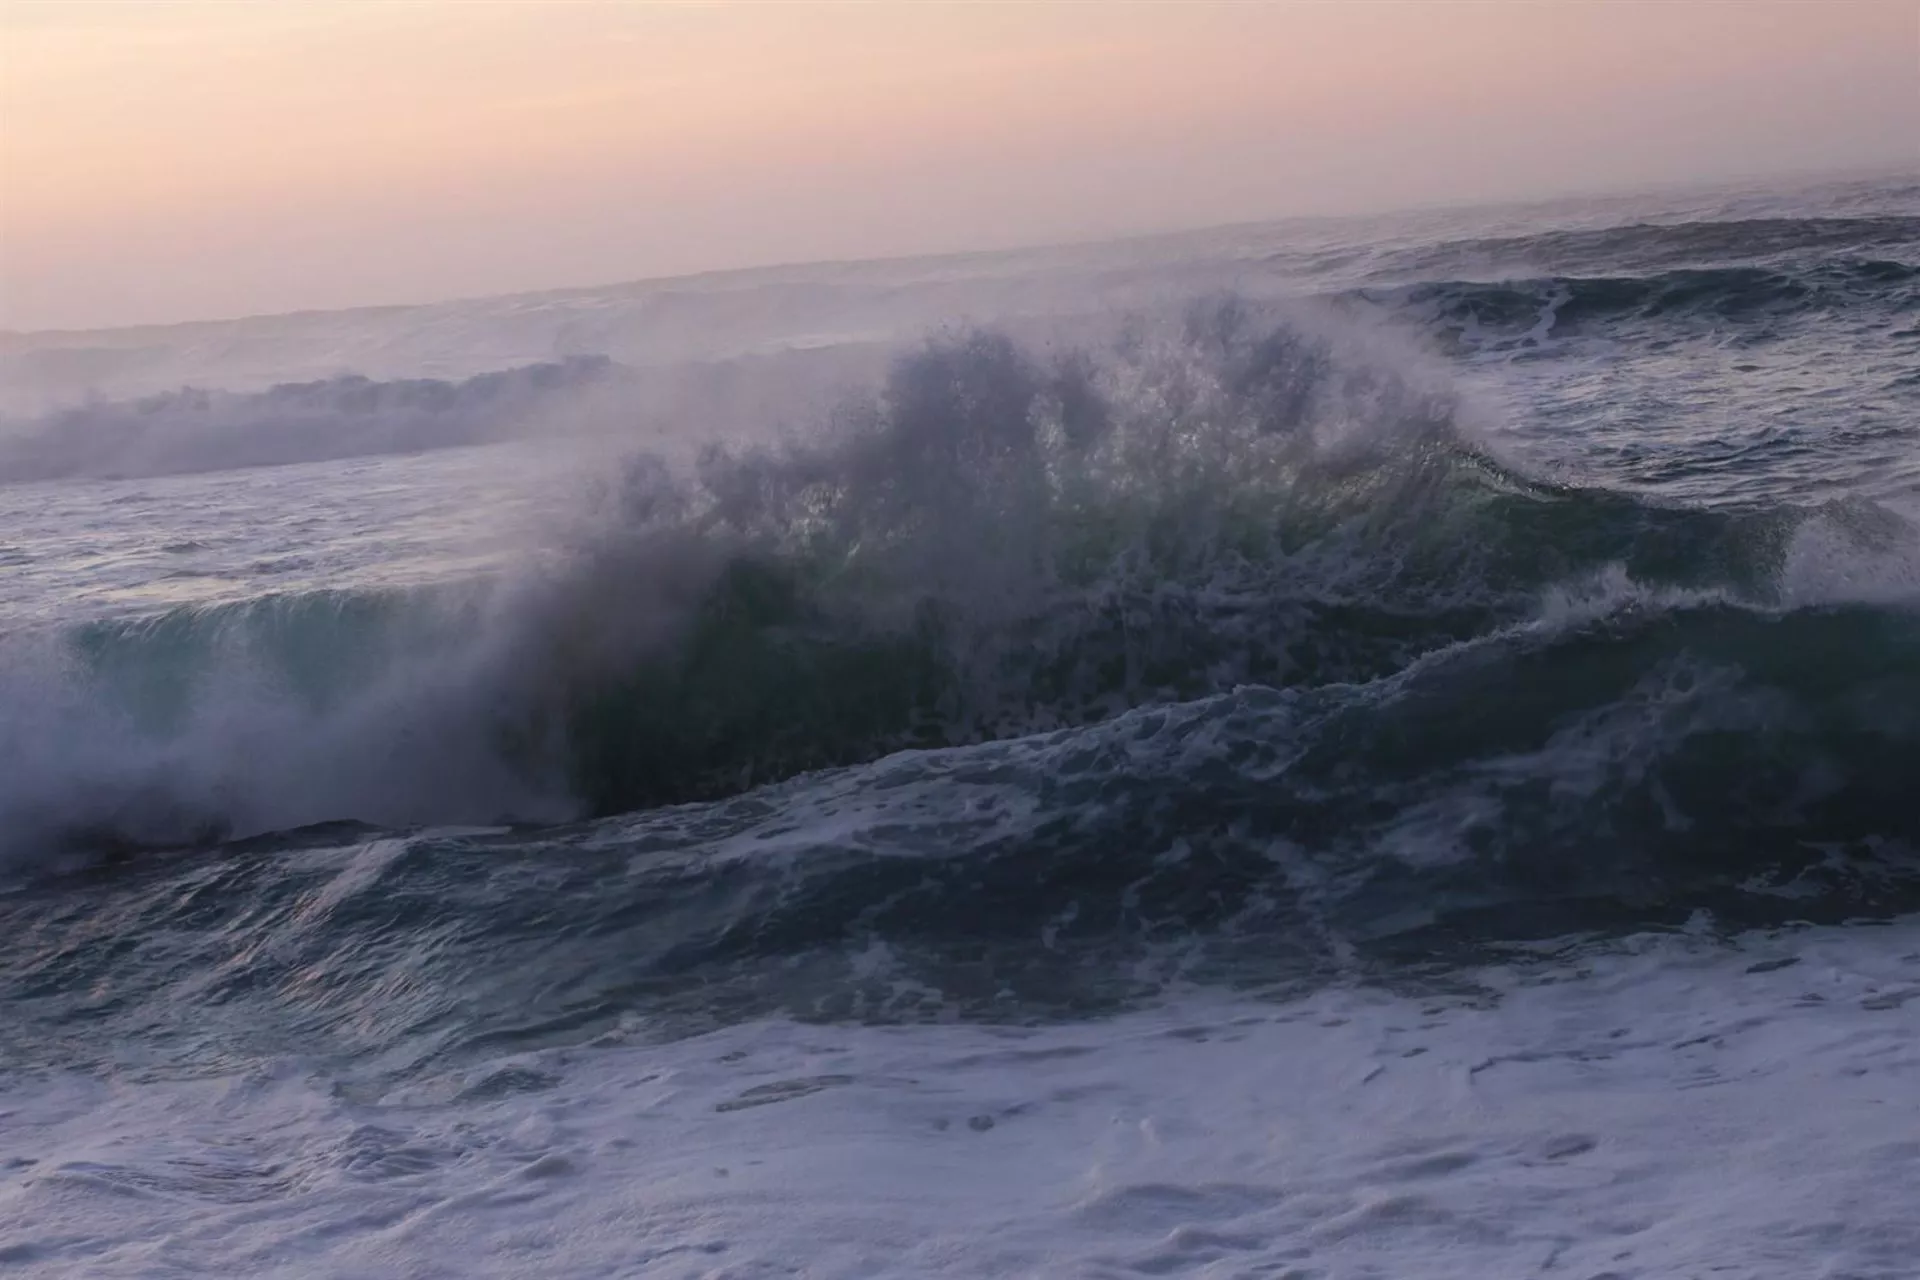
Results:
[1369, 748]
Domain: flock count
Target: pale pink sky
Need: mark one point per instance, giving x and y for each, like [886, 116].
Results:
[178, 159]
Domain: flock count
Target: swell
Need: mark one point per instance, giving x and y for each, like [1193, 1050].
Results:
[1645, 248]
[996, 543]
[1562, 306]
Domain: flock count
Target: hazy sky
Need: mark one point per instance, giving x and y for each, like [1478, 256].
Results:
[198, 158]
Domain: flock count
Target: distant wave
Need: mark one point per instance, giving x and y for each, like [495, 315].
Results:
[1494, 312]
[349, 416]
[1648, 247]
[1044, 677]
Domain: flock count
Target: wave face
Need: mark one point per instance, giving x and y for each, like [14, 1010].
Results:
[1624, 765]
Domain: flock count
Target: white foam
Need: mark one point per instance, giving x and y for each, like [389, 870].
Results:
[1672, 1106]
[1854, 553]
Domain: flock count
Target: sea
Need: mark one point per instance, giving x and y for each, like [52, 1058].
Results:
[1351, 748]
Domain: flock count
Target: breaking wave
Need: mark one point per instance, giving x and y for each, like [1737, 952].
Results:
[1003, 542]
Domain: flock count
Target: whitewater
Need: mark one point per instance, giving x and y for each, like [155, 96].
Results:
[1323, 749]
